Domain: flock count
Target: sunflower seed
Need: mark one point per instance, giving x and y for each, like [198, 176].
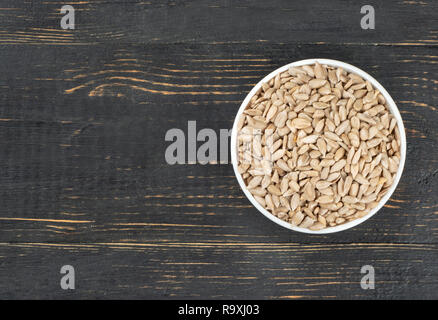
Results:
[300, 123]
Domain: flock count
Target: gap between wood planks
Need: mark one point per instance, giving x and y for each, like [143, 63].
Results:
[249, 245]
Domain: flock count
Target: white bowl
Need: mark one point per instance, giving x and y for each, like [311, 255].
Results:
[390, 103]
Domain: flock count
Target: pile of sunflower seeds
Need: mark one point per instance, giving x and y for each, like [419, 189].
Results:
[317, 146]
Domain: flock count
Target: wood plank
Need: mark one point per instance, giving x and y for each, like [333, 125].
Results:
[315, 21]
[223, 270]
[83, 140]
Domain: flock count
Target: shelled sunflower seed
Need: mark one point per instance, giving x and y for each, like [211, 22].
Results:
[318, 146]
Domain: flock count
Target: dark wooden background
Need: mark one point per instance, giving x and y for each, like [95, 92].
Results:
[84, 181]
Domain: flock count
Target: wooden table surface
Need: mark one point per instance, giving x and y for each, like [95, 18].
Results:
[84, 181]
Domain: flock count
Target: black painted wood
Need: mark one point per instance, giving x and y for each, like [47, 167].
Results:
[83, 115]
[401, 22]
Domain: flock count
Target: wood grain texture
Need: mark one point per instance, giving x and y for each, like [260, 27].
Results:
[136, 21]
[84, 181]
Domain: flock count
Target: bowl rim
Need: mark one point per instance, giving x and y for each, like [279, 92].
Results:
[392, 108]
